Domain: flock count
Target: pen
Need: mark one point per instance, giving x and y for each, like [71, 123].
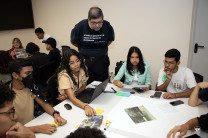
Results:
[113, 89]
[107, 124]
[108, 92]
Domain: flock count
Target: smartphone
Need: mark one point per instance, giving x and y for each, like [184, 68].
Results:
[178, 102]
[194, 136]
[68, 106]
[157, 94]
[137, 89]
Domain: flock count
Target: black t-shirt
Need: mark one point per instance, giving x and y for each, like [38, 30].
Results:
[203, 94]
[54, 55]
[92, 43]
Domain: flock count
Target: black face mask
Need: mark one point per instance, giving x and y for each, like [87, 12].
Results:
[28, 81]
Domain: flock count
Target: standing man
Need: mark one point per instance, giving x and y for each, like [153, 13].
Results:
[43, 37]
[178, 81]
[92, 36]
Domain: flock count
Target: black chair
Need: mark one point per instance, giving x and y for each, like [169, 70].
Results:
[64, 48]
[44, 73]
[198, 77]
[52, 89]
[118, 66]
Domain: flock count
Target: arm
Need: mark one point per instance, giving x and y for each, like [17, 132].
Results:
[163, 84]
[116, 81]
[18, 130]
[185, 94]
[148, 78]
[45, 129]
[194, 99]
[49, 109]
[81, 89]
[89, 111]
[183, 128]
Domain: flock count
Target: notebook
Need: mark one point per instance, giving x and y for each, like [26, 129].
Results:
[89, 94]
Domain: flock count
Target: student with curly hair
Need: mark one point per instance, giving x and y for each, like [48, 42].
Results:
[5, 59]
[16, 44]
[72, 79]
[135, 70]
[87, 132]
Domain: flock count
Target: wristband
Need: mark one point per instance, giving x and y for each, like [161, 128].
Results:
[55, 112]
[85, 106]
[175, 95]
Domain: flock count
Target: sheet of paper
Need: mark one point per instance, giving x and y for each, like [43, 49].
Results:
[99, 111]
[131, 86]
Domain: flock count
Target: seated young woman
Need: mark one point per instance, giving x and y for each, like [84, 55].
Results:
[72, 79]
[135, 70]
[16, 44]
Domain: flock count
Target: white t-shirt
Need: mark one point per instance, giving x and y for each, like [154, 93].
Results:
[181, 81]
[46, 36]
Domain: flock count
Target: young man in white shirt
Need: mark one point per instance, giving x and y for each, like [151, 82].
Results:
[178, 81]
[43, 37]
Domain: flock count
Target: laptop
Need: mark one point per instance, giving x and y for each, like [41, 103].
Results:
[89, 94]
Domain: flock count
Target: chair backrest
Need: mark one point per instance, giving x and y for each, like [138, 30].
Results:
[118, 66]
[65, 48]
[52, 88]
[44, 73]
[198, 77]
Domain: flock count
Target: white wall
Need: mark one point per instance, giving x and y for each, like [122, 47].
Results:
[153, 25]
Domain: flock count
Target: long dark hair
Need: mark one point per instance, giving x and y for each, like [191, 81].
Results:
[140, 66]
[64, 65]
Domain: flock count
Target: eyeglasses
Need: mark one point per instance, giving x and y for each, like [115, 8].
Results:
[74, 63]
[95, 23]
[169, 63]
[11, 113]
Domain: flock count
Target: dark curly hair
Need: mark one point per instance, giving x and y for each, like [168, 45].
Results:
[32, 48]
[173, 53]
[5, 59]
[17, 65]
[87, 132]
[7, 95]
[140, 66]
[64, 65]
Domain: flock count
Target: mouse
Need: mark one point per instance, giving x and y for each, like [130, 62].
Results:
[132, 92]
[68, 106]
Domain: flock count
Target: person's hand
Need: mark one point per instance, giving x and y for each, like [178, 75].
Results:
[61, 97]
[169, 95]
[202, 85]
[119, 84]
[89, 111]
[20, 131]
[146, 88]
[169, 74]
[59, 120]
[47, 129]
[13, 53]
[182, 129]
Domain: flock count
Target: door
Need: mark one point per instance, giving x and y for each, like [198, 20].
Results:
[199, 56]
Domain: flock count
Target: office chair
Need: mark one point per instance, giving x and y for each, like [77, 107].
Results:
[44, 73]
[118, 66]
[52, 89]
[64, 48]
[198, 77]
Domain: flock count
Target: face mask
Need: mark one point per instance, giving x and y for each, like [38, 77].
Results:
[28, 81]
